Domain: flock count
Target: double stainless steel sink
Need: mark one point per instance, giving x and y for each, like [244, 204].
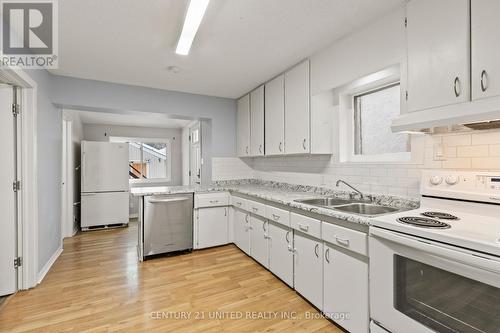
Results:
[352, 206]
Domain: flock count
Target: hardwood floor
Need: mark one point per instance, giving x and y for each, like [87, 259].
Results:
[97, 285]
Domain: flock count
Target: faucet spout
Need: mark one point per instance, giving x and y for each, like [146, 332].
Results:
[350, 186]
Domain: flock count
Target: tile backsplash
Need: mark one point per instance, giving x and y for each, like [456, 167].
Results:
[458, 151]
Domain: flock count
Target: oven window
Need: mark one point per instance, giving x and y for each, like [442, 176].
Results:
[444, 301]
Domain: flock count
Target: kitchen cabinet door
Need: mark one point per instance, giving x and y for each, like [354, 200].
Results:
[212, 227]
[241, 230]
[275, 116]
[243, 126]
[485, 34]
[308, 260]
[258, 240]
[280, 241]
[257, 122]
[438, 53]
[297, 109]
[346, 289]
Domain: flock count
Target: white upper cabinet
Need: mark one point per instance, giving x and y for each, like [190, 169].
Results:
[275, 116]
[243, 126]
[485, 34]
[297, 109]
[257, 122]
[438, 53]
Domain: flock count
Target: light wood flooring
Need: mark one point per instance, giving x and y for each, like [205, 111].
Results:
[97, 285]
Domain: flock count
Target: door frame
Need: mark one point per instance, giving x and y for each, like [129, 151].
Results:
[192, 127]
[28, 197]
[67, 184]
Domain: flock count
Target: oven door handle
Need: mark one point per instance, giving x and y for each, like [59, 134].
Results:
[438, 250]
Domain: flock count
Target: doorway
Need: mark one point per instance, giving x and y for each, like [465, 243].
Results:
[10, 132]
[195, 161]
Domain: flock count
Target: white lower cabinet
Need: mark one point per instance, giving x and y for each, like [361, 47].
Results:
[345, 296]
[281, 251]
[241, 228]
[212, 226]
[258, 240]
[308, 259]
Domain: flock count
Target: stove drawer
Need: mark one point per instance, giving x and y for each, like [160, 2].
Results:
[349, 239]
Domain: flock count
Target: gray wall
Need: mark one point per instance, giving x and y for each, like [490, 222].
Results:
[56, 93]
[87, 94]
[103, 132]
[49, 151]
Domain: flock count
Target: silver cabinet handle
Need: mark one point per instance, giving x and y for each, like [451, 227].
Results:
[255, 209]
[264, 227]
[342, 241]
[316, 248]
[457, 87]
[484, 81]
[260, 149]
[225, 211]
[276, 217]
[281, 146]
[304, 144]
[238, 203]
[286, 237]
[303, 227]
[495, 198]
[246, 218]
[327, 255]
[214, 201]
[246, 150]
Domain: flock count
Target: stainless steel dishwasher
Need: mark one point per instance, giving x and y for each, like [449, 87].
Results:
[168, 223]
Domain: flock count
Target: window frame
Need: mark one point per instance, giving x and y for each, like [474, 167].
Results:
[365, 85]
[168, 143]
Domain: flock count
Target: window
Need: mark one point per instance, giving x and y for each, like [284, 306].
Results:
[373, 115]
[149, 159]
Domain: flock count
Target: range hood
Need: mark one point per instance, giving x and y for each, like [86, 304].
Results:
[480, 114]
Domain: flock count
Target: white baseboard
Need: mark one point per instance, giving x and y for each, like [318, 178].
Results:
[49, 264]
[133, 216]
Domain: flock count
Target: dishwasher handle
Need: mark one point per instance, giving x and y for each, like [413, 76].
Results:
[167, 200]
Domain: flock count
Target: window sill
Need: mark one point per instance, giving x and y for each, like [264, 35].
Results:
[157, 181]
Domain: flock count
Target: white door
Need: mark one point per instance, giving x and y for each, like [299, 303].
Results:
[257, 122]
[485, 34]
[241, 230]
[212, 227]
[258, 240]
[345, 295]
[8, 222]
[297, 109]
[275, 116]
[438, 53]
[243, 126]
[281, 252]
[105, 166]
[195, 155]
[308, 268]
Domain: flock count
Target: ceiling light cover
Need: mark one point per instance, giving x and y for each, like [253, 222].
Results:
[194, 15]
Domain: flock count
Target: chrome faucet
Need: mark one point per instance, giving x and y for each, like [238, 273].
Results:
[352, 187]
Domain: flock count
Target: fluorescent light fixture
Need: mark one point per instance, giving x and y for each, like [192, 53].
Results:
[194, 15]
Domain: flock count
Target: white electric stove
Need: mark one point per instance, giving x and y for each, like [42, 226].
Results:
[437, 268]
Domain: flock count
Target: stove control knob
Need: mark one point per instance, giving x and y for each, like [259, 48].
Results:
[451, 180]
[436, 180]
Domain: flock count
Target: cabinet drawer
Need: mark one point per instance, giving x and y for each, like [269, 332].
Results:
[305, 224]
[277, 215]
[211, 200]
[349, 239]
[256, 208]
[239, 202]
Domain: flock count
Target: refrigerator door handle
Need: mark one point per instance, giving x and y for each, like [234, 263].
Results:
[87, 194]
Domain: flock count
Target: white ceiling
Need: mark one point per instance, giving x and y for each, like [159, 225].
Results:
[136, 119]
[240, 44]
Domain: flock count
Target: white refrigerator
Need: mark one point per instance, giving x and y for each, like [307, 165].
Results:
[104, 184]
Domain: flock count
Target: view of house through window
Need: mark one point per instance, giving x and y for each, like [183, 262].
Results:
[148, 160]
[373, 115]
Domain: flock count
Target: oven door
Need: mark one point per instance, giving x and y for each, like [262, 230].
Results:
[419, 286]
